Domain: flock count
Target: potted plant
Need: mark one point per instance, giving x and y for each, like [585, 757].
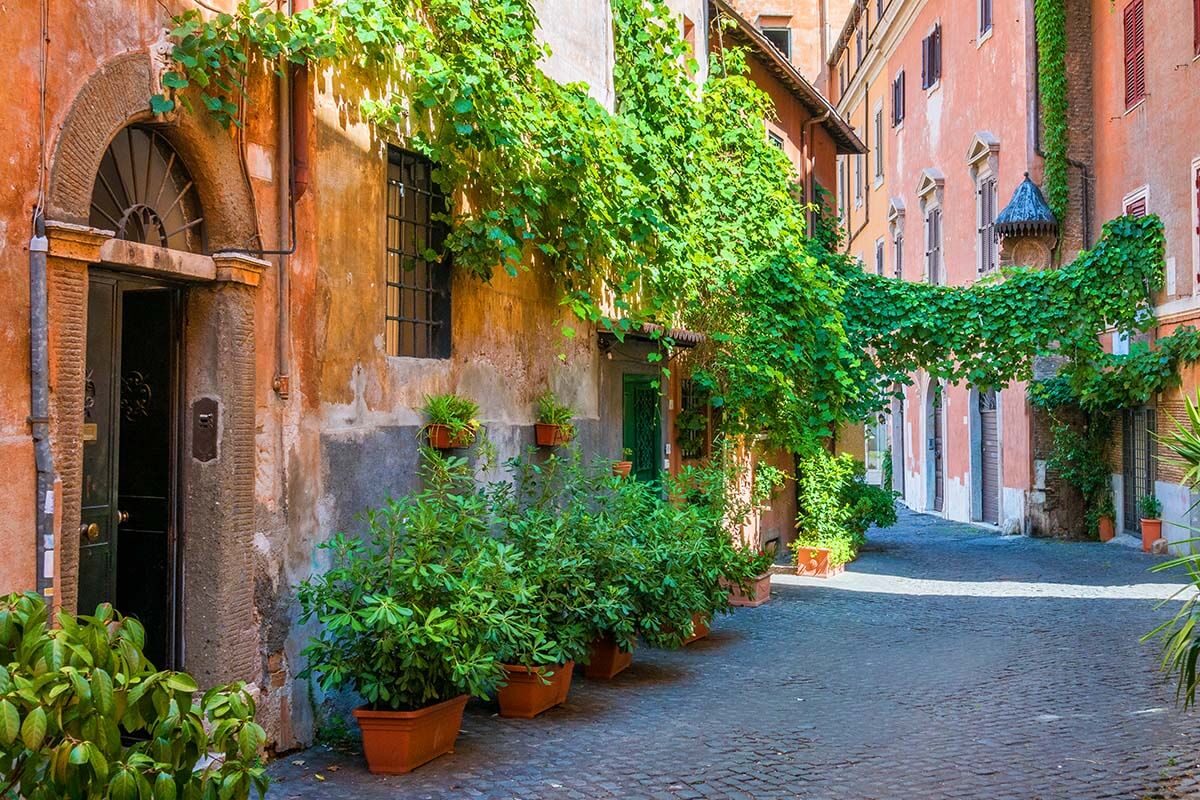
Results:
[1151, 511]
[451, 421]
[1107, 516]
[409, 618]
[622, 468]
[539, 657]
[554, 426]
[86, 715]
[748, 576]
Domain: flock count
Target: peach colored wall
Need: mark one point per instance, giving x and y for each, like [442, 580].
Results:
[1155, 143]
[985, 87]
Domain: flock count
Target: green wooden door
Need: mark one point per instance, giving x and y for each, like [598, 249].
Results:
[642, 428]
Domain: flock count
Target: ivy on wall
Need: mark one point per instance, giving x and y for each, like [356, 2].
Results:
[672, 208]
[1051, 32]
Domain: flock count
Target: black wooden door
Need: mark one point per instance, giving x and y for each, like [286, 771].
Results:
[989, 451]
[935, 444]
[128, 521]
[642, 428]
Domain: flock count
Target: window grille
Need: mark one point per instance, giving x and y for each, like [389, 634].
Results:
[417, 315]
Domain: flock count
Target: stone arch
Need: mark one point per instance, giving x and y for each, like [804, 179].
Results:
[117, 95]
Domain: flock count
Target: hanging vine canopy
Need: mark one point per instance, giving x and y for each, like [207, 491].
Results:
[675, 207]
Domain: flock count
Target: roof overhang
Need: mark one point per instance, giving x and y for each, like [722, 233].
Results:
[766, 54]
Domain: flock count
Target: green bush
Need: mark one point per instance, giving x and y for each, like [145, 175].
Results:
[83, 714]
[837, 507]
[410, 617]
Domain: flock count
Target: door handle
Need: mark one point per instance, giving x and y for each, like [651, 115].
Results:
[90, 530]
[122, 517]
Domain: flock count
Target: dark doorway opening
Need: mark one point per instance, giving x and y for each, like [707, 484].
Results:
[127, 546]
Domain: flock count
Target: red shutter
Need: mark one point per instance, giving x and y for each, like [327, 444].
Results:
[1135, 53]
[1137, 208]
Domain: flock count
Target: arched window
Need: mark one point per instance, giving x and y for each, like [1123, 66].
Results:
[143, 192]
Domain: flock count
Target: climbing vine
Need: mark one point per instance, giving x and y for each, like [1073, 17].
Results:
[1051, 24]
[672, 208]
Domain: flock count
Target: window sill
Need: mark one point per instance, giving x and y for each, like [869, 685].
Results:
[1135, 106]
[878, 182]
[933, 87]
[984, 37]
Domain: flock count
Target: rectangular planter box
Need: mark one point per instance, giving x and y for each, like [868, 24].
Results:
[529, 692]
[396, 742]
[606, 659]
[813, 562]
[760, 592]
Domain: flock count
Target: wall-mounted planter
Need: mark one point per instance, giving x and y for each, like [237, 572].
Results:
[813, 562]
[441, 437]
[622, 468]
[606, 660]
[1151, 533]
[553, 435]
[530, 691]
[760, 592]
[396, 742]
[1108, 529]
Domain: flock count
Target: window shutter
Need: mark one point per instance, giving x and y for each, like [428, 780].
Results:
[1196, 26]
[937, 55]
[925, 62]
[903, 109]
[1135, 53]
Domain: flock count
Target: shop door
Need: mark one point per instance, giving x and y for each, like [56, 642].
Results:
[127, 536]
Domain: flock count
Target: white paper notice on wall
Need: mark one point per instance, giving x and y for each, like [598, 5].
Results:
[1171, 276]
[48, 506]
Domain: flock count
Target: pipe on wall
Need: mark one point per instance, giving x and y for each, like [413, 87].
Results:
[283, 128]
[39, 405]
[808, 157]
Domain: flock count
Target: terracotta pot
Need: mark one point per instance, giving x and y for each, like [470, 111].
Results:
[760, 592]
[813, 562]
[700, 628]
[553, 435]
[606, 660]
[441, 438]
[396, 742]
[1107, 529]
[1151, 532]
[622, 468]
[530, 691]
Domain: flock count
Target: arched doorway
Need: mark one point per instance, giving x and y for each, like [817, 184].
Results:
[129, 506]
[153, 343]
[934, 450]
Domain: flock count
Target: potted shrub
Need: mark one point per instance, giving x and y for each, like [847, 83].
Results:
[451, 421]
[1151, 512]
[622, 468]
[539, 658]
[84, 714]
[554, 426]
[748, 577]
[820, 562]
[410, 616]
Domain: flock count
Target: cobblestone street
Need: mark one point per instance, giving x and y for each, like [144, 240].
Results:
[947, 663]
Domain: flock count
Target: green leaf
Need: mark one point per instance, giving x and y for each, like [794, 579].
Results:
[10, 722]
[33, 729]
[161, 105]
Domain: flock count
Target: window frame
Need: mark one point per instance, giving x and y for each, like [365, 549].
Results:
[898, 99]
[986, 195]
[768, 30]
[1138, 195]
[879, 145]
[879, 256]
[987, 19]
[435, 325]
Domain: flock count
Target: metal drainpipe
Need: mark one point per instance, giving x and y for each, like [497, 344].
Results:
[807, 156]
[283, 123]
[39, 405]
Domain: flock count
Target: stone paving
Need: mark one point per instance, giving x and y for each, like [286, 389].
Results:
[948, 662]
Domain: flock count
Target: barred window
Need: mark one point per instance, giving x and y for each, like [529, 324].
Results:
[417, 318]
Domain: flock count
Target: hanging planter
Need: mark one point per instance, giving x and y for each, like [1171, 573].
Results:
[452, 421]
[550, 435]
[531, 690]
[443, 437]
[606, 659]
[396, 742]
[554, 425]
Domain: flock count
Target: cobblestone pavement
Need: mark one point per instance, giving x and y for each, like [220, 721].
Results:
[948, 662]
